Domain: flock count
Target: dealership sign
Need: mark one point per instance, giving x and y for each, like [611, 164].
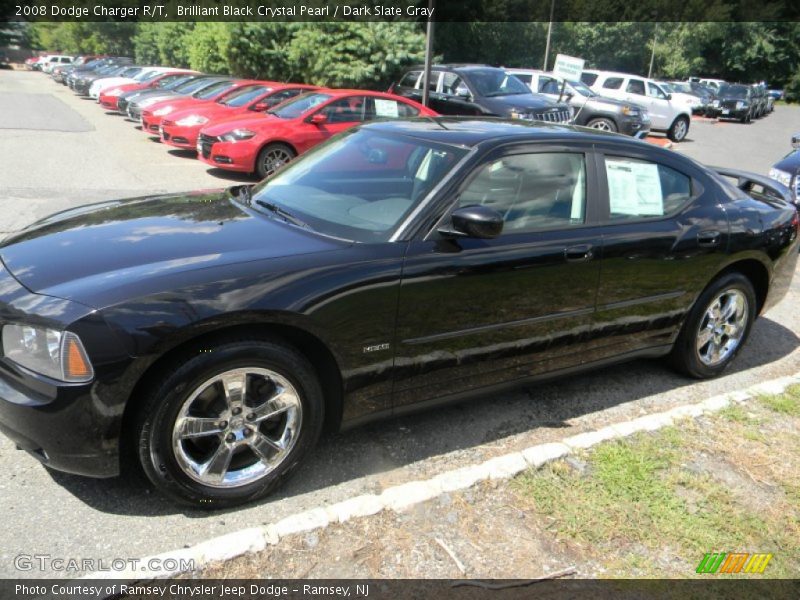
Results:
[568, 67]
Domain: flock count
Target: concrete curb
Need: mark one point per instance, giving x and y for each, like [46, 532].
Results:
[404, 496]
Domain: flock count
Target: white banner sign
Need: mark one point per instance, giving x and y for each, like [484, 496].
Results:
[568, 67]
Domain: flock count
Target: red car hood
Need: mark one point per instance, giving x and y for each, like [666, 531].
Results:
[213, 111]
[125, 87]
[177, 103]
[249, 121]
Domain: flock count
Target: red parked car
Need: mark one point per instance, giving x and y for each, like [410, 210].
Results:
[182, 127]
[151, 117]
[264, 142]
[109, 97]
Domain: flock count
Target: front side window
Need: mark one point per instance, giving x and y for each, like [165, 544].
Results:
[548, 85]
[360, 185]
[641, 189]
[453, 85]
[243, 96]
[292, 109]
[213, 90]
[495, 82]
[655, 92]
[410, 79]
[635, 86]
[532, 191]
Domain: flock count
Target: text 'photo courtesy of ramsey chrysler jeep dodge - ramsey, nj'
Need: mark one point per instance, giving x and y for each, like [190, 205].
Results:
[209, 338]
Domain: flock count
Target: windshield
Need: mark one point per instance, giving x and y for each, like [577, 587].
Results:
[244, 95]
[680, 87]
[495, 82]
[299, 106]
[129, 71]
[146, 75]
[732, 91]
[171, 82]
[581, 88]
[213, 90]
[192, 86]
[360, 185]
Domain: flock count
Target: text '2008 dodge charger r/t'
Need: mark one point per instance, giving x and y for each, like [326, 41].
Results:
[213, 335]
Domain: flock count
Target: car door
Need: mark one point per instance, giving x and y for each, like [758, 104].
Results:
[663, 240]
[340, 115]
[611, 86]
[454, 96]
[662, 111]
[473, 312]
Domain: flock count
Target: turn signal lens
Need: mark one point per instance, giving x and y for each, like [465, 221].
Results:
[76, 364]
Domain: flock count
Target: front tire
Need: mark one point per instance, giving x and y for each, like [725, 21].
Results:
[679, 129]
[717, 327]
[272, 158]
[603, 124]
[228, 425]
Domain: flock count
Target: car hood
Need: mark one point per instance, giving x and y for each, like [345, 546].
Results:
[249, 121]
[80, 254]
[518, 102]
[177, 103]
[789, 163]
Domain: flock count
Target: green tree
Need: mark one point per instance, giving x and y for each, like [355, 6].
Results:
[260, 50]
[209, 46]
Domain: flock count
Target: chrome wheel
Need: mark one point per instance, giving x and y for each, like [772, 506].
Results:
[237, 427]
[722, 327]
[273, 159]
[601, 125]
[681, 129]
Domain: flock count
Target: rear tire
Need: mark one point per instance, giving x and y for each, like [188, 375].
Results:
[679, 129]
[228, 425]
[716, 328]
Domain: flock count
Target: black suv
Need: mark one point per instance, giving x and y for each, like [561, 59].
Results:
[478, 90]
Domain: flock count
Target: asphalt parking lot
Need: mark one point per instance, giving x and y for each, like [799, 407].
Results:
[61, 151]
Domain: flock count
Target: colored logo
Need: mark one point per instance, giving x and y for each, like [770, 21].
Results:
[742, 562]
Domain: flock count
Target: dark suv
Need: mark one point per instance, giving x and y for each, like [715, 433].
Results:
[478, 90]
[735, 101]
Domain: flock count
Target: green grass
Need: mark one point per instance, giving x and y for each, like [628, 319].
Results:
[639, 493]
[787, 403]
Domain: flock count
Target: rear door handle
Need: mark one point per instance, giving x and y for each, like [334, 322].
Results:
[709, 238]
[580, 253]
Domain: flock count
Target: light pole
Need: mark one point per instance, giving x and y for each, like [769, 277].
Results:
[426, 76]
[549, 32]
[653, 53]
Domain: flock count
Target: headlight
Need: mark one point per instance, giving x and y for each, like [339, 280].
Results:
[741, 104]
[192, 120]
[55, 354]
[715, 103]
[237, 135]
[628, 110]
[162, 111]
[114, 92]
[780, 176]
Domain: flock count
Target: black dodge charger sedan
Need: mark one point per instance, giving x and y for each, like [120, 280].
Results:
[211, 336]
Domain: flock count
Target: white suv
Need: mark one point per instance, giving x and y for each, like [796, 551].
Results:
[53, 60]
[665, 115]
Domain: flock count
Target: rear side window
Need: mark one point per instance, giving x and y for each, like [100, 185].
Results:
[640, 189]
[386, 108]
[525, 78]
[613, 83]
[588, 78]
[410, 79]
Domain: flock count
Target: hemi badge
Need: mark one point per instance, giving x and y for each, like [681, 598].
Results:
[376, 348]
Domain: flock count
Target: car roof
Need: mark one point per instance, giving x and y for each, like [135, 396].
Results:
[471, 131]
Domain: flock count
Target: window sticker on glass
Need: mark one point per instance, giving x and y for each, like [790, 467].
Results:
[386, 108]
[634, 188]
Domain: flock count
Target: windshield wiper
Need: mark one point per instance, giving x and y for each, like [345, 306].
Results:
[278, 210]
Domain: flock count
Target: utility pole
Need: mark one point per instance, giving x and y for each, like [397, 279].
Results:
[426, 76]
[549, 32]
[653, 53]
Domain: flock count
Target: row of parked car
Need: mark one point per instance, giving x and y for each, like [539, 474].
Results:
[256, 126]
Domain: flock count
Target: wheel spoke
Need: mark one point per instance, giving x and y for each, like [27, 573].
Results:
[705, 336]
[731, 308]
[235, 387]
[193, 427]
[278, 404]
[265, 448]
[217, 466]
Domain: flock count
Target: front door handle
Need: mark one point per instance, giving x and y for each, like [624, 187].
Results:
[580, 253]
[709, 238]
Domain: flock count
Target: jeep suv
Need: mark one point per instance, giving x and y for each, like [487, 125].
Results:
[666, 115]
[480, 91]
[589, 108]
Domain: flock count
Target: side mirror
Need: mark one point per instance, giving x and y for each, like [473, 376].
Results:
[463, 92]
[796, 141]
[476, 221]
[669, 96]
[260, 106]
[318, 119]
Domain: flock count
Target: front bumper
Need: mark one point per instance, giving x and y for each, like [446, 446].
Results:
[150, 124]
[231, 156]
[721, 112]
[180, 136]
[68, 427]
[631, 127]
